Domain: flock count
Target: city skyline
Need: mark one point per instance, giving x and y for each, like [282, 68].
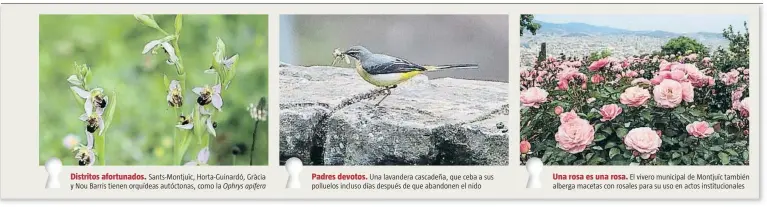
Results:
[683, 23]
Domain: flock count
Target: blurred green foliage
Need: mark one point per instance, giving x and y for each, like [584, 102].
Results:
[526, 23]
[684, 46]
[143, 127]
[594, 56]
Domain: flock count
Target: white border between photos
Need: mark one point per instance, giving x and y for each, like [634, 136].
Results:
[272, 50]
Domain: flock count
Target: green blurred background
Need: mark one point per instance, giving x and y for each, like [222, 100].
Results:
[141, 132]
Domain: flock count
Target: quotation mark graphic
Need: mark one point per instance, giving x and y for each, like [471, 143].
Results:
[293, 165]
[53, 167]
[534, 166]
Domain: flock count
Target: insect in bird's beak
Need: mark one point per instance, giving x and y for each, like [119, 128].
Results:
[338, 55]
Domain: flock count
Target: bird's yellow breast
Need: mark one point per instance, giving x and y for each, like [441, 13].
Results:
[385, 80]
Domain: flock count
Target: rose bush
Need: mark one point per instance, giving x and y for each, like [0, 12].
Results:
[647, 110]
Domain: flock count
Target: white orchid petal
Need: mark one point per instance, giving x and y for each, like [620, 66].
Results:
[93, 157]
[168, 97]
[217, 101]
[101, 124]
[171, 52]
[151, 45]
[185, 126]
[80, 92]
[88, 106]
[203, 110]
[203, 155]
[84, 117]
[217, 89]
[74, 80]
[191, 163]
[197, 90]
[211, 71]
[174, 84]
[209, 125]
[90, 139]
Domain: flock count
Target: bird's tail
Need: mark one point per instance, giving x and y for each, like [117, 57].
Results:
[452, 66]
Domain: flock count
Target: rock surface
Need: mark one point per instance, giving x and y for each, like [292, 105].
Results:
[328, 117]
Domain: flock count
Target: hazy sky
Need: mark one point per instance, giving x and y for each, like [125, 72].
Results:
[681, 23]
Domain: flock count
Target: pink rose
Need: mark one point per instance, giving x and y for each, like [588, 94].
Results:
[562, 85]
[533, 97]
[729, 78]
[743, 109]
[551, 59]
[692, 57]
[558, 110]
[656, 80]
[635, 96]
[665, 65]
[524, 147]
[736, 94]
[745, 72]
[632, 74]
[640, 81]
[609, 112]
[688, 92]
[599, 64]
[643, 140]
[596, 78]
[677, 75]
[699, 129]
[567, 116]
[668, 94]
[575, 135]
[706, 59]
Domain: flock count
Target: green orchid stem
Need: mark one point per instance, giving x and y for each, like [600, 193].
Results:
[234, 159]
[182, 150]
[253, 144]
[205, 141]
[100, 145]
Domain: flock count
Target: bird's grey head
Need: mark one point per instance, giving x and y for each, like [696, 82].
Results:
[358, 52]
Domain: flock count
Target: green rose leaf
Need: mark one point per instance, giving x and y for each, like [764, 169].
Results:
[699, 161]
[745, 155]
[621, 132]
[716, 148]
[724, 158]
[607, 130]
[613, 152]
[546, 156]
[597, 126]
[696, 113]
[599, 137]
[686, 159]
[675, 155]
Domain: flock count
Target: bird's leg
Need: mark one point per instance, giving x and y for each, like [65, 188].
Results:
[388, 92]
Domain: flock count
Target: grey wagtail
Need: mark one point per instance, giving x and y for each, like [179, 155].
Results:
[387, 71]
